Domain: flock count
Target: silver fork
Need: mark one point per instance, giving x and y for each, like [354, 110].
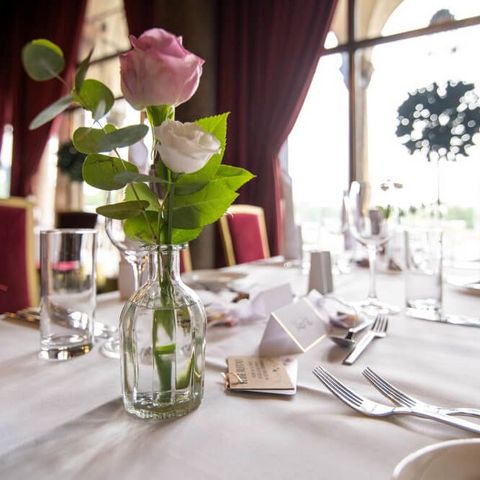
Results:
[379, 329]
[401, 398]
[373, 409]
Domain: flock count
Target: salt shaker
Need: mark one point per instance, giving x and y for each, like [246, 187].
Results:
[320, 277]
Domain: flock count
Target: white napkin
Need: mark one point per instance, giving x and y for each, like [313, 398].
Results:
[222, 310]
[333, 311]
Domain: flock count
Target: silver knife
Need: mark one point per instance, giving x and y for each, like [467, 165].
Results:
[446, 318]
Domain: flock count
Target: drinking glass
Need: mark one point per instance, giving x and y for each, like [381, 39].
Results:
[371, 226]
[423, 272]
[68, 292]
[134, 253]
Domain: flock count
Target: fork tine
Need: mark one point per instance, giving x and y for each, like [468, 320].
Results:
[335, 386]
[322, 375]
[377, 380]
[340, 395]
[387, 388]
[382, 324]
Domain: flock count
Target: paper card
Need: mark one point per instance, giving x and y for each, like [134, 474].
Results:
[266, 301]
[292, 329]
[262, 374]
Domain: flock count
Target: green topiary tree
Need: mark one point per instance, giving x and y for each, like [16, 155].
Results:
[440, 122]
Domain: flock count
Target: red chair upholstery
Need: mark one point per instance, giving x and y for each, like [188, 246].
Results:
[18, 279]
[244, 234]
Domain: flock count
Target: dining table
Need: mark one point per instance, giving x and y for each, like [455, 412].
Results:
[66, 419]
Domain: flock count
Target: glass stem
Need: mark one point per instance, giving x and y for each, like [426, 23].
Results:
[137, 272]
[372, 260]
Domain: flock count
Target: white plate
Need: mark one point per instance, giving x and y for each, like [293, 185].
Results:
[211, 277]
[452, 460]
[467, 285]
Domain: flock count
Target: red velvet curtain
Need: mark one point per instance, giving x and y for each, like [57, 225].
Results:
[269, 50]
[21, 98]
[140, 15]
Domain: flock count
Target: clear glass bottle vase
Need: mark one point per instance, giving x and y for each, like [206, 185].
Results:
[162, 329]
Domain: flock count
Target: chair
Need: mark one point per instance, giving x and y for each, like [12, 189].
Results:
[18, 278]
[244, 234]
[76, 220]
[185, 260]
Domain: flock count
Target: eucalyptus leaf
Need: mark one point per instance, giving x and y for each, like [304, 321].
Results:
[51, 112]
[82, 71]
[95, 97]
[100, 171]
[141, 191]
[96, 140]
[123, 210]
[42, 59]
[203, 207]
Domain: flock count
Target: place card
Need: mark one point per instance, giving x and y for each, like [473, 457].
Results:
[276, 375]
[293, 329]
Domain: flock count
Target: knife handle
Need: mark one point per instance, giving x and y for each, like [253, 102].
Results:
[359, 348]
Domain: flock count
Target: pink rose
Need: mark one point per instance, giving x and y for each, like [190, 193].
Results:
[159, 71]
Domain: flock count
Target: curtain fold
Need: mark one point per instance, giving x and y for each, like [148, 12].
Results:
[268, 54]
[22, 98]
[140, 15]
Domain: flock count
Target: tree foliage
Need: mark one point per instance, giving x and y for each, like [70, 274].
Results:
[440, 121]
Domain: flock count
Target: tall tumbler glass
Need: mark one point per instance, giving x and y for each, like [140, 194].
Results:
[423, 272]
[68, 292]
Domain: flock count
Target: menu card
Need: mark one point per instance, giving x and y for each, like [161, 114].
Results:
[276, 375]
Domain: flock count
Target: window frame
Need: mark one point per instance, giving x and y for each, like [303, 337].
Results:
[350, 48]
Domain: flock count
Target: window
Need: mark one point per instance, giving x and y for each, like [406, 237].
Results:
[394, 47]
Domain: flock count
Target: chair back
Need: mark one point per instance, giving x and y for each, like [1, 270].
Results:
[244, 234]
[76, 220]
[185, 260]
[18, 276]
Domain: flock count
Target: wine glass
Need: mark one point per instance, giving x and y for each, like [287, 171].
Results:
[133, 252]
[372, 226]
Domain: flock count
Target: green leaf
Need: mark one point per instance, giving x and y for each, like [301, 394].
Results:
[144, 193]
[192, 182]
[234, 177]
[137, 228]
[202, 207]
[86, 140]
[183, 235]
[100, 171]
[95, 140]
[95, 97]
[51, 112]
[82, 71]
[42, 59]
[139, 177]
[123, 210]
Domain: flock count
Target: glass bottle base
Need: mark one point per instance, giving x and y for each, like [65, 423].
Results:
[146, 407]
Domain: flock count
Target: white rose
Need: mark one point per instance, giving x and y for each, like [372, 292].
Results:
[185, 147]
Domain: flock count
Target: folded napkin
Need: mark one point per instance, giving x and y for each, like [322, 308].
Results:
[333, 311]
[225, 307]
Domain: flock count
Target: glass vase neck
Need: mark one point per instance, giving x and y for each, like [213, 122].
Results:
[164, 262]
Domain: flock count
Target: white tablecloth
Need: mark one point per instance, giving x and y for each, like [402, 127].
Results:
[66, 420]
